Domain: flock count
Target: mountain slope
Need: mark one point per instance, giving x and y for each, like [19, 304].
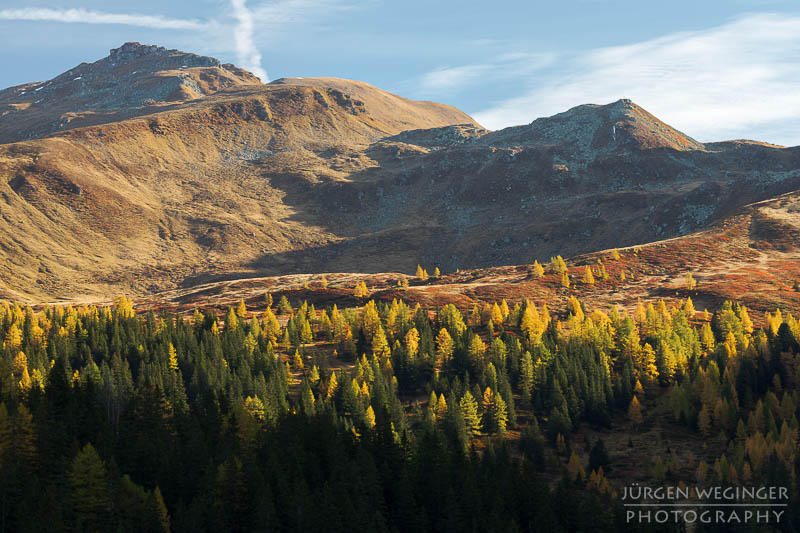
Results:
[323, 174]
[149, 199]
[752, 257]
[394, 112]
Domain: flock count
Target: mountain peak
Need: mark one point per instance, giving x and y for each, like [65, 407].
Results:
[138, 48]
[623, 102]
[160, 57]
[132, 78]
[592, 128]
[134, 47]
[645, 130]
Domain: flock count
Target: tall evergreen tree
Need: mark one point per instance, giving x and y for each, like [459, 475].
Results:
[470, 414]
[88, 494]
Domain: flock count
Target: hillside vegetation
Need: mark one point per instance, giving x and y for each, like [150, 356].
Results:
[384, 416]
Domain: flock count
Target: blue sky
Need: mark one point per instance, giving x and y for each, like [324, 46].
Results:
[713, 69]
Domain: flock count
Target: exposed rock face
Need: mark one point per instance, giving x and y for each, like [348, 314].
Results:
[228, 177]
[159, 57]
[440, 137]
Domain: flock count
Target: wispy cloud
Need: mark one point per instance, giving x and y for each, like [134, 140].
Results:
[738, 79]
[97, 17]
[276, 16]
[246, 50]
[447, 79]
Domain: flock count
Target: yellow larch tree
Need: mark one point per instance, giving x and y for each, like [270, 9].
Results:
[688, 308]
[333, 384]
[173, 358]
[504, 309]
[635, 411]
[496, 315]
[411, 341]
[538, 270]
[241, 309]
[588, 278]
[13, 337]
[361, 290]
[369, 417]
[531, 323]
[444, 347]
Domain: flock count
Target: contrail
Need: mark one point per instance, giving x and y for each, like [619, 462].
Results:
[97, 17]
[248, 54]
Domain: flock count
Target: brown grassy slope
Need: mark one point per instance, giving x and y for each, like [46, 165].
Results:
[396, 113]
[135, 204]
[752, 257]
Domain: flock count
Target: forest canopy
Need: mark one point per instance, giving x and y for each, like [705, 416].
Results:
[383, 417]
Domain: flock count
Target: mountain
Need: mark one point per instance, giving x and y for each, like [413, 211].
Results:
[153, 169]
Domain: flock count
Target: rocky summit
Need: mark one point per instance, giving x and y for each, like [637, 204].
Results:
[133, 79]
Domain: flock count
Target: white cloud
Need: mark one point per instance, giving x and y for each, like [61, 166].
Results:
[738, 79]
[277, 15]
[246, 50]
[447, 78]
[505, 66]
[97, 17]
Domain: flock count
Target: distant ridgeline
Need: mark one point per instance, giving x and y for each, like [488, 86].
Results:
[383, 417]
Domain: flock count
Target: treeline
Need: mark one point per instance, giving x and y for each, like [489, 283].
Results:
[387, 417]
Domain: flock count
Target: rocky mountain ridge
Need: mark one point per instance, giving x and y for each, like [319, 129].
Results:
[326, 175]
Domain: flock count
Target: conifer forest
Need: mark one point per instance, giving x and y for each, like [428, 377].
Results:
[283, 416]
